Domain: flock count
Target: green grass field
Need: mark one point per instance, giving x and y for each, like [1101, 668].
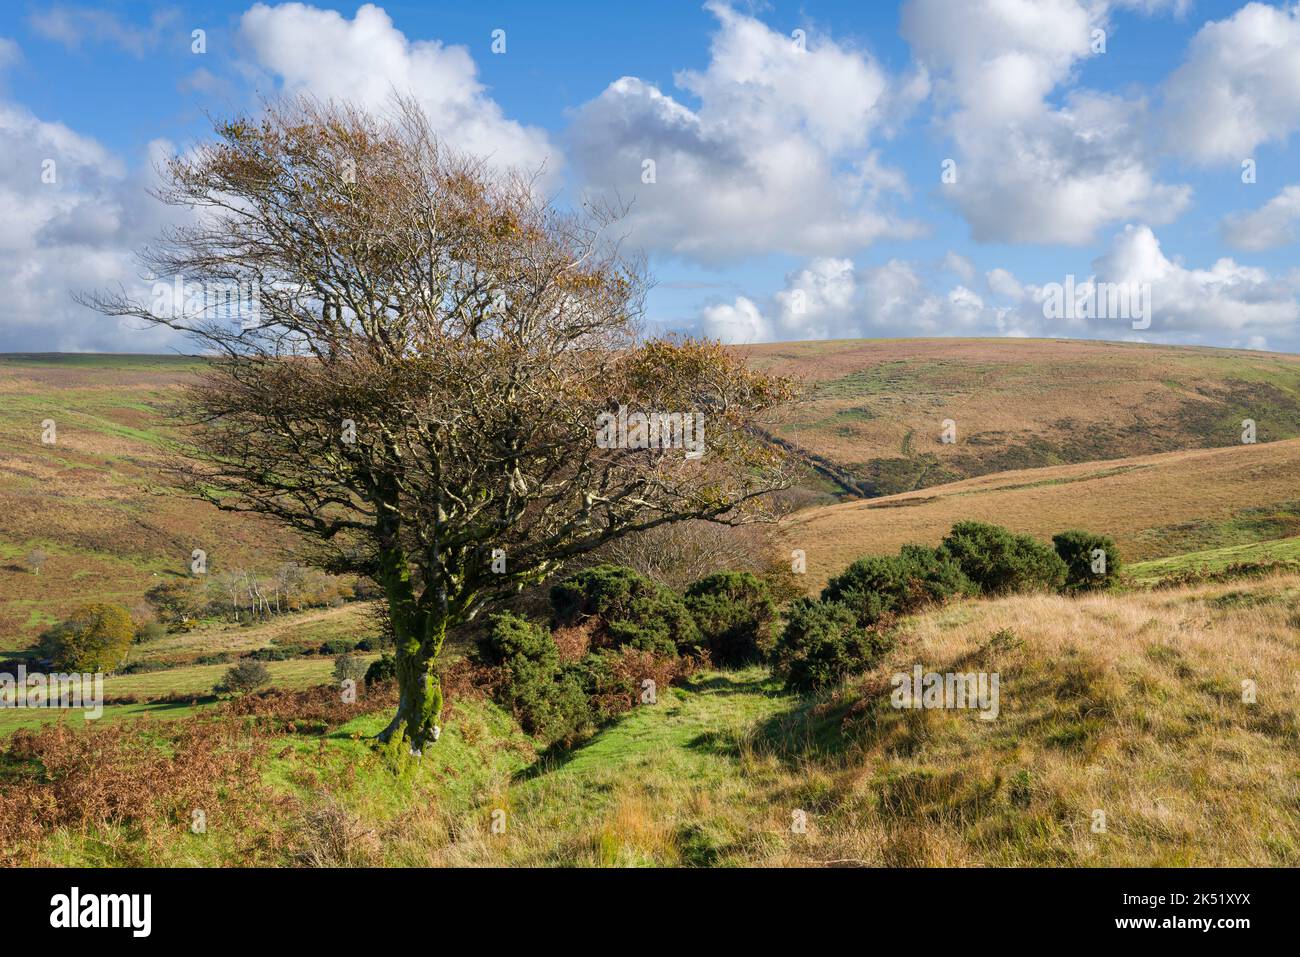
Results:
[196, 680]
[1285, 551]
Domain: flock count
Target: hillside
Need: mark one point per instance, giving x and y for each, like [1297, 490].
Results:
[1127, 704]
[92, 500]
[1153, 506]
[875, 407]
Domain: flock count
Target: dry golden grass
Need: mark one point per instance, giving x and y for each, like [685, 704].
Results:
[1132, 500]
[1131, 705]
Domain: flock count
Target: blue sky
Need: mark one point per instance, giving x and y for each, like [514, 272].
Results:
[797, 190]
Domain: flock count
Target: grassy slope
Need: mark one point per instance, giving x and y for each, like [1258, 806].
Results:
[1284, 551]
[92, 500]
[875, 406]
[196, 680]
[1129, 704]
[1154, 506]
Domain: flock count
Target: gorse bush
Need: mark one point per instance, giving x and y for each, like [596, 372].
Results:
[629, 608]
[94, 638]
[879, 585]
[1084, 568]
[822, 644]
[1000, 562]
[735, 614]
[383, 668]
[545, 696]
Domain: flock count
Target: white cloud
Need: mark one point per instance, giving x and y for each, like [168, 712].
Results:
[1220, 304]
[1227, 304]
[72, 234]
[778, 154]
[833, 299]
[959, 265]
[10, 53]
[73, 26]
[1028, 171]
[366, 59]
[1239, 87]
[1276, 223]
[1004, 284]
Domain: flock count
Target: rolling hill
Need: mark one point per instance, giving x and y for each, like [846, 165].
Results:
[93, 500]
[1153, 506]
[874, 411]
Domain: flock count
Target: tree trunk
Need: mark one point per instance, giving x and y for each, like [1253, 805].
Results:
[419, 704]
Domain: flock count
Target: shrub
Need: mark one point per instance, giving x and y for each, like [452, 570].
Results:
[822, 643]
[547, 698]
[247, 675]
[94, 638]
[1000, 562]
[143, 667]
[1076, 549]
[735, 614]
[630, 610]
[350, 667]
[338, 646]
[614, 681]
[268, 654]
[878, 585]
[150, 631]
[383, 668]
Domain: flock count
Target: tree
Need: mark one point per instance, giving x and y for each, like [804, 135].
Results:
[243, 677]
[350, 667]
[94, 638]
[175, 601]
[442, 382]
[36, 560]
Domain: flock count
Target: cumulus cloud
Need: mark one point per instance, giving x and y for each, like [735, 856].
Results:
[1239, 87]
[1227, 304]
[366, 59]
[777, 155]
[1028, 171]
[1276, 223]
[72, 213]
[831, 298]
